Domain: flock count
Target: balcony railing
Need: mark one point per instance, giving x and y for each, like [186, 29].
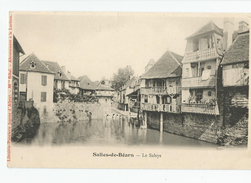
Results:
[160, 90]
[200, 55]
[74, 85]
[161, 107]
[200, 108]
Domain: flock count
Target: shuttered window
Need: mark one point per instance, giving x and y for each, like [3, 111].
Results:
[23, 78]
[44, 80]
[43, 96]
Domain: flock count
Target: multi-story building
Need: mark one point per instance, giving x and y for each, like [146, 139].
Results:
[160, 89]
[104, 94]
[87, 87]
[199, 75]
[61, 81]
[36, 83]
[235, 77]
[17, 50]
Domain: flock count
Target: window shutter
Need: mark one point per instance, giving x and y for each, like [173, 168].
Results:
[44, 80]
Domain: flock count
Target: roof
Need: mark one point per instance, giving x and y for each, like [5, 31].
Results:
[17, 45]
[40, 66]
[151, 62]
[73, 78]
[54, 66]
[129, 83]
[209, 27]
[86, 83]
[104, 87]
[238, 51]
[169, 65]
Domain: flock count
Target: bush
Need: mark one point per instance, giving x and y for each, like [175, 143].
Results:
[64, 94]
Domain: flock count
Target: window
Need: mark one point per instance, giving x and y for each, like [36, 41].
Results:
[32, 65]
[55, 84]
[60, 74]
[146, 99]
[23, 78]
[198, 94]
[43, 96]
[209, 93]
[209, 67]
[44, 80]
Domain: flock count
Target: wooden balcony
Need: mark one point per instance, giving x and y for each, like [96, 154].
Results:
[197, 82]
[200, 55]
[160, 90]
[74, 85]
[161, 107]
[200, 109]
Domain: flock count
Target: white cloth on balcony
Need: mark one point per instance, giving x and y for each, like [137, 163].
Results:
[206, 74]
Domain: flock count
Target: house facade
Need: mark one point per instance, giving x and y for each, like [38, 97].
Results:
[61, 81]
[200, 64]
[87, 87]
[17, 51]
[235, 78]
[36, 83]
[160, 90]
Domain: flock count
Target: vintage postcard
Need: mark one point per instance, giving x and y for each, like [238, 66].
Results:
[128, 90]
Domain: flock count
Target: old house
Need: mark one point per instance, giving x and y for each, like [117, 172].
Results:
[36, 83]
[199, 77]
[87, 87]
[160, 90]
[17, 51]
[235, 77]
[104, 94]
[61, 81]
[126, 89]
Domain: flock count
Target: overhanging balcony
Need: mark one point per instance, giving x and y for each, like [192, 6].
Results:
[200, 109]
[200, 55]
[197, 82]
[172, 108]
[160, 90]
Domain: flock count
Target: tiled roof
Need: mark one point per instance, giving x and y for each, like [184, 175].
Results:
[129, 83]
[54, 66]
[73, 78]
[151, 62]
[207, 28]
[238, 51]
[167, 66]
[86, 83]
[103, 87]
[25, 65]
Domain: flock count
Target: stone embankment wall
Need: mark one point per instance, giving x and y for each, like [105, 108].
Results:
[73, 111]
[197, 126]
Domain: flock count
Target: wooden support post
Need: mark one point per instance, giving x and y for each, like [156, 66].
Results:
[161, 122]
[145, 121]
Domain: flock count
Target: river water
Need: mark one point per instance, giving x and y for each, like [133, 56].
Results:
[109, 132]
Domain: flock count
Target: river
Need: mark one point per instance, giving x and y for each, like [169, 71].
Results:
[109, 132]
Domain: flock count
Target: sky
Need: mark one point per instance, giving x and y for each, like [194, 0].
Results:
[98, 44]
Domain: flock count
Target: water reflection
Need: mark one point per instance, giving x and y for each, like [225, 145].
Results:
[121, 131]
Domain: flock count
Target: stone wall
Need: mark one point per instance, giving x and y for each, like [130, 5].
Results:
[73, 111]
[189, 125]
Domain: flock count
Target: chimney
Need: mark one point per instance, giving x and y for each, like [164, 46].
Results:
[243, 26]
[228, 31]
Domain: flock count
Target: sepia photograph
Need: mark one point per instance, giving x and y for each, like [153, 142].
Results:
[122, 90]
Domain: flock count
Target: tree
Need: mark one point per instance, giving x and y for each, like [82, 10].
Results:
[121, 77]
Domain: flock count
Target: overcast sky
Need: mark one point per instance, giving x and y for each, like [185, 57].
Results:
[98, 44]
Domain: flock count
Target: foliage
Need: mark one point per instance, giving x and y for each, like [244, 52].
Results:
[64, 94]
[121, 77]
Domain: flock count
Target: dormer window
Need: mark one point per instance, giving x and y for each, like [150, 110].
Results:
[60, 74]
[32, 65]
